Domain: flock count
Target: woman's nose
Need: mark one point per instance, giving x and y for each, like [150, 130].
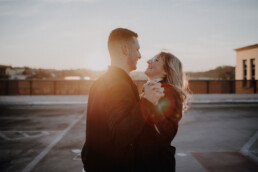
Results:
[140, 56]
[149, 61]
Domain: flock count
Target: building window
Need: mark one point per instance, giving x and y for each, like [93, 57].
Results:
[253, 69]
[244, 72]
[252, 72]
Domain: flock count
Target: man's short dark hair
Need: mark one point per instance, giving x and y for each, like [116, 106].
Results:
[120, 34]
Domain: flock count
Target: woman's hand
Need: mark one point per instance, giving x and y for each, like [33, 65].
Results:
[153, 92]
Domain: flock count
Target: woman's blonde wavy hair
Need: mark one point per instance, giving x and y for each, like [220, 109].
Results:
[175, 76]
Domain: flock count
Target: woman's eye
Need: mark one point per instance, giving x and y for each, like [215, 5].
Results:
[155, 59]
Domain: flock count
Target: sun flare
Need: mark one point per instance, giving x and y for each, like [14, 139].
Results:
[97, 61]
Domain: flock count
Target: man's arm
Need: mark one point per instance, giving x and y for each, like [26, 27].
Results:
[124, 114]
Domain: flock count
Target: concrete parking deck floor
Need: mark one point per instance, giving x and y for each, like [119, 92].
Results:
[41, 138]
[211, 137]
[82, 99]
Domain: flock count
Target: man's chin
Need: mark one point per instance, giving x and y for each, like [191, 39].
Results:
[146, 73]
[133, 68]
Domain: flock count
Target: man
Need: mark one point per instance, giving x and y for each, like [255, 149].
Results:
[114, 117]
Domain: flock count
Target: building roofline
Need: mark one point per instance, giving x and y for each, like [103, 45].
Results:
[247, 47]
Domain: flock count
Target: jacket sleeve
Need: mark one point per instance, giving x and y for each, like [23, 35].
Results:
[164, 117]
[124, 115]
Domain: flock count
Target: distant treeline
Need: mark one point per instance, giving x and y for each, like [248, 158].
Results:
[221, 72]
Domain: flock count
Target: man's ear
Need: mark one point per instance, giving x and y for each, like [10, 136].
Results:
[124, 49]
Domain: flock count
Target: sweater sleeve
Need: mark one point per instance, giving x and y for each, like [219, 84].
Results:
[124, 120]
[164, 117]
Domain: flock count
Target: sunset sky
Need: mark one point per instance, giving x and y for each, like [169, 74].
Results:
[70, 34]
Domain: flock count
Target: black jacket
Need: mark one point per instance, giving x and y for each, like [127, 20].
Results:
[153, 150]
[113, 123]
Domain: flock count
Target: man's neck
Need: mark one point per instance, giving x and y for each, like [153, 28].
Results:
[121, 66]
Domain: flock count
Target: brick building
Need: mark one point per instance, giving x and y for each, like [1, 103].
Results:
[246, 69]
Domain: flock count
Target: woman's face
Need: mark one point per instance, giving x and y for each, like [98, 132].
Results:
[155, 68]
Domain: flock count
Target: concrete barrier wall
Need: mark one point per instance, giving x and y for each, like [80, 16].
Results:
[198, 87]
[82, 87]
[220, 86]
[43, 87]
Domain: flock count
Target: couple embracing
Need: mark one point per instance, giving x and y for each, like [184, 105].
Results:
[128, 132]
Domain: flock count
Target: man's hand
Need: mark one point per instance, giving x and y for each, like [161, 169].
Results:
[153, 93]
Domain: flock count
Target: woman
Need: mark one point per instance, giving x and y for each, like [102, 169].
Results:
[153, 150]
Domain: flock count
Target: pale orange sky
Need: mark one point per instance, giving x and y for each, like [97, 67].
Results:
[69, 34]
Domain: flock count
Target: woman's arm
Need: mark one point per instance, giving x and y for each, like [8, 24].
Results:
[165, 115]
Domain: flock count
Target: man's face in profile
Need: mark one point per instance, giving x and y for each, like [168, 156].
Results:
[134, 53]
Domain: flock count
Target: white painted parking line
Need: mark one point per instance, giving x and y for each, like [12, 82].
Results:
[78, 154]
[42, 154]
[24, 134]
[21, 135]
[76, 150]
[245, 149]
[3, 136]
[77, 157]
[181, 154]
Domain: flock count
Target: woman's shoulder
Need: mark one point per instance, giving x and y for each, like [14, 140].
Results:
[172, 99]
[172, 92]
[170, 88]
